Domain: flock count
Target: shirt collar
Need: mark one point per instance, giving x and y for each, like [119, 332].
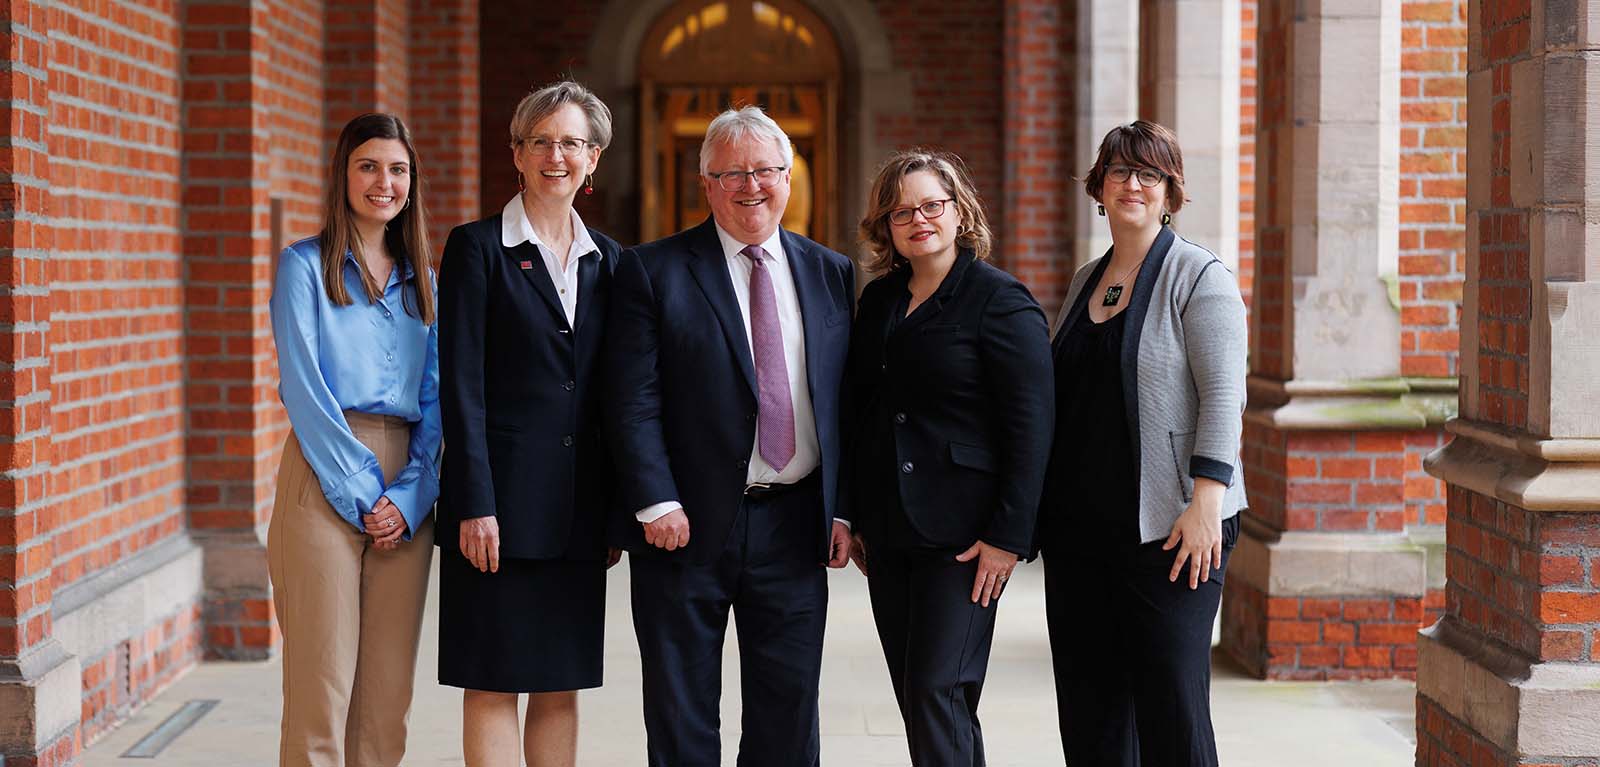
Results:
[731, 246]
[404, 272]
[515, 229]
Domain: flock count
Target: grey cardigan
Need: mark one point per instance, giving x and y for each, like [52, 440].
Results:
[1183, 376]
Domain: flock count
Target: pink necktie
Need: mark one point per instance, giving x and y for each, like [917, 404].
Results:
[774, 409]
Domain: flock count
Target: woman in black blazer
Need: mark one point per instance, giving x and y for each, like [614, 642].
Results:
[525, 481]
[948, 405]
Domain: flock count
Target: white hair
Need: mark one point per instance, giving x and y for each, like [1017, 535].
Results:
[738, 124]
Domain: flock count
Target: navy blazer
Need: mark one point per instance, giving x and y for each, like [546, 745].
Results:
[965, 389]
[681, 412]
[521, 395]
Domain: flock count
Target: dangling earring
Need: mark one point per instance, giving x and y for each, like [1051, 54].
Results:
[588, 184]
[522, 186]
[1166, 218]
[1101, 209]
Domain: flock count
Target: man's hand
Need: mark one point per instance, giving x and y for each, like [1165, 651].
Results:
[480, 543]
[839, 545]
[994, 569]
[670, 532]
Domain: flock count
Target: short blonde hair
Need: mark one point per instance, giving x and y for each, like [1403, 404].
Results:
[546, 101]
[973, 234]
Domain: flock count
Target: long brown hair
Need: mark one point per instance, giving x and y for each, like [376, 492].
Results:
[885, 195]
[406, 236]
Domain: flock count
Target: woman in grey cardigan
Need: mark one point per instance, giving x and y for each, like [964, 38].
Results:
[1144, 488]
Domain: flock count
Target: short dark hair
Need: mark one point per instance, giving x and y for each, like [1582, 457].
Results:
[1142, 143]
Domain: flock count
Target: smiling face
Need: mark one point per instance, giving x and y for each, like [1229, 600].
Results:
[750, 213]
[556, 176]
[378, 181]
[1131, 203]
[924, 237]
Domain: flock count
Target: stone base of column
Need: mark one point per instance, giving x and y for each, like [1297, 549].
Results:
[1479, 703]
[1319, 605]
[237, 609]
[39, 694]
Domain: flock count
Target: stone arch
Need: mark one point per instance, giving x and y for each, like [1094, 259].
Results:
[871, 88]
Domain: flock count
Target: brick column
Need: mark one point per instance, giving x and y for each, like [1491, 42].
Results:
[366, 57]
[1511, 675]
[1326, 582]
[233, 442]
[444, 116]
[1106, 67]
[1189, 55]
[1037, 184]
[39, 680]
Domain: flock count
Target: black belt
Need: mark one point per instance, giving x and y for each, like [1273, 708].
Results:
[766, 491]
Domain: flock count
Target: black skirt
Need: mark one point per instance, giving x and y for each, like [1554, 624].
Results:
[534, 626]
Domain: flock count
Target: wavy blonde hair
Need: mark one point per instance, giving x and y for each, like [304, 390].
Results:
[973, 232]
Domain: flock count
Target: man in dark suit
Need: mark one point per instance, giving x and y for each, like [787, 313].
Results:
[725, 354]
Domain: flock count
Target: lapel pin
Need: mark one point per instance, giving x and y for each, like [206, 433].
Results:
[527, 264]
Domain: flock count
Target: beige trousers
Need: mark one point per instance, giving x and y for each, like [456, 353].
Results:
[351, 615]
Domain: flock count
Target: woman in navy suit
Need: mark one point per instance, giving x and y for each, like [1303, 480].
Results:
[949, 407]
[522, 508]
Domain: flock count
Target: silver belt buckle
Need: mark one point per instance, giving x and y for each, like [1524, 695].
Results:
[757, 486]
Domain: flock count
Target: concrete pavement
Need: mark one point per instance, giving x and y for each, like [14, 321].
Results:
[1258, 723]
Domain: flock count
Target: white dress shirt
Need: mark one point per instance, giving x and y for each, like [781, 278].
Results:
[515, 229]
[807, 453]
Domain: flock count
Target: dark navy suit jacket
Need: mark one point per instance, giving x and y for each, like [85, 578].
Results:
[521, 393]
[681, 410]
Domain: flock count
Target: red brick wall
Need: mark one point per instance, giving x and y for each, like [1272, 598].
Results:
[367, 60]
[136, 670]
[1274, 127]
[293, 93]
[1247, 149]
[514, 65]
[1504, 287]
[1038, 184]
[234, 430]
[1433, 179]
[444, 111]
[25, 430]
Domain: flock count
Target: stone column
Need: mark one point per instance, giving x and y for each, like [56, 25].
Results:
[1106, 93]
[1511, 674]
[1037, 182]
[444, 112]
[1190, 52]
[234, 433]
[39, 680]
[1326, 582]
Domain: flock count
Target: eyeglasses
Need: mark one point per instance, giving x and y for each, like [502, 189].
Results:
[541, 146]
[734, 180]
[931, 210]
[1118, 174]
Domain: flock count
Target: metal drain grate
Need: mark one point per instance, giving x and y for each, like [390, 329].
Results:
[162, 736]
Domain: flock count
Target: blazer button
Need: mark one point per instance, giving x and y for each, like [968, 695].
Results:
[566, 441]
[570, 385]
[907, 467]
[899, 417]
[750, 417]
[742, 463]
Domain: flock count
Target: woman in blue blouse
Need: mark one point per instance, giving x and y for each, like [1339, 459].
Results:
[350, 539]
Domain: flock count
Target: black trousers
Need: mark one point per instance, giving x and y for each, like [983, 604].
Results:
[1132, 655]
[936, 642]
[770, 577]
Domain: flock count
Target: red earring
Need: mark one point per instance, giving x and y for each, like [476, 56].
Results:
[588, 185]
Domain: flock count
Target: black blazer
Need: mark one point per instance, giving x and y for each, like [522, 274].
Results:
[966, 385]
[682, 405]
[521, 397]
